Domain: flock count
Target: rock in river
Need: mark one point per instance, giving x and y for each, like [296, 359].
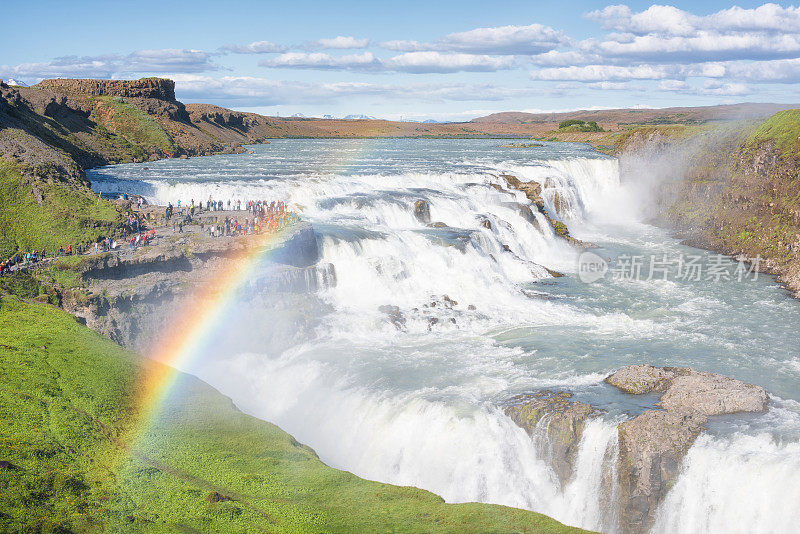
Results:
[562, 421]
[422, 211]
[653, 444]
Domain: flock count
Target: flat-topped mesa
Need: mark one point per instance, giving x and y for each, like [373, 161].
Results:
[160, 88]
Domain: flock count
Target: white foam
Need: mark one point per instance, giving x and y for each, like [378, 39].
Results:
[737, 484]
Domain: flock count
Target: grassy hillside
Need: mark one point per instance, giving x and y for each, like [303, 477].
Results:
[140, 130]
[40, 214]
[68, 414]
[782, 129]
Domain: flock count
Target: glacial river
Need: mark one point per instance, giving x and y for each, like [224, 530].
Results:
[414, 396]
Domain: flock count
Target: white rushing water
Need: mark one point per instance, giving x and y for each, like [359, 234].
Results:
[428, 330]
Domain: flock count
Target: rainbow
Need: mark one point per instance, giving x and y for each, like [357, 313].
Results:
[193, 329]
[196, 326]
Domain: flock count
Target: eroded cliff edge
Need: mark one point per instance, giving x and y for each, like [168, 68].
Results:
[733, 188]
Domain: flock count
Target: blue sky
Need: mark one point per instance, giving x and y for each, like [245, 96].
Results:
[433, 59]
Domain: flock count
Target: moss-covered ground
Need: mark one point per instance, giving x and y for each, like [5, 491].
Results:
[78, 458]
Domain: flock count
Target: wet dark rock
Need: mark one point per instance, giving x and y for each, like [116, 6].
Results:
[560, 420]
[686, 390]
[394, 315]
[554, 274]
[437, 224]
[486, 223]
[422, 211]
[713, 394]
[653, 444]
[532, 190]
[639, 379]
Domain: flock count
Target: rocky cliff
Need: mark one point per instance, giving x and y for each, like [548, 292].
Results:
[160, 88]
[732, 188]
[135, 296]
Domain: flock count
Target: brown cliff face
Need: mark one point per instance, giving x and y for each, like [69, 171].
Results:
[725, 189]
[159, 88]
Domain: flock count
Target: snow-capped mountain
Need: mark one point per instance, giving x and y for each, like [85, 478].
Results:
[18, 83]
[357, 117]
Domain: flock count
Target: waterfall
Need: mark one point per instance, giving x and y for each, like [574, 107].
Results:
[741, 483]
[397, 369]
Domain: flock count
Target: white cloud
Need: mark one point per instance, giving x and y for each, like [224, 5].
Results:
[108, 66]
[244, 91]
[655, 19]
[339, 42]
[701, 46]
[256, 47]
[413, 62]
[322, 61]
[427, 62]
[716, 88]
[668, 34]
[501, 40]
[599, 73]
[564, 58]
[610, 86]
[167, 60]
[674, 85]
[669, 20]
[709, 88]
[776, 71]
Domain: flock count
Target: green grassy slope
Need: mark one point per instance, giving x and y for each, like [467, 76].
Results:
[68, 213]
[67, 414]
[783, 129]
[143, 133]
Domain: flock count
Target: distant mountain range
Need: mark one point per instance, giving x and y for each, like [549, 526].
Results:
[356, 117]
[361, 117]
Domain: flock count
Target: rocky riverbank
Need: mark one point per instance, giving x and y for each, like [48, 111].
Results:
[651, 445]
[129, 295]
[731, 188]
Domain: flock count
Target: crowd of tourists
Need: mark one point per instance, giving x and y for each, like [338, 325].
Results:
[29, 259]
[263, 216]
[256, 207]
